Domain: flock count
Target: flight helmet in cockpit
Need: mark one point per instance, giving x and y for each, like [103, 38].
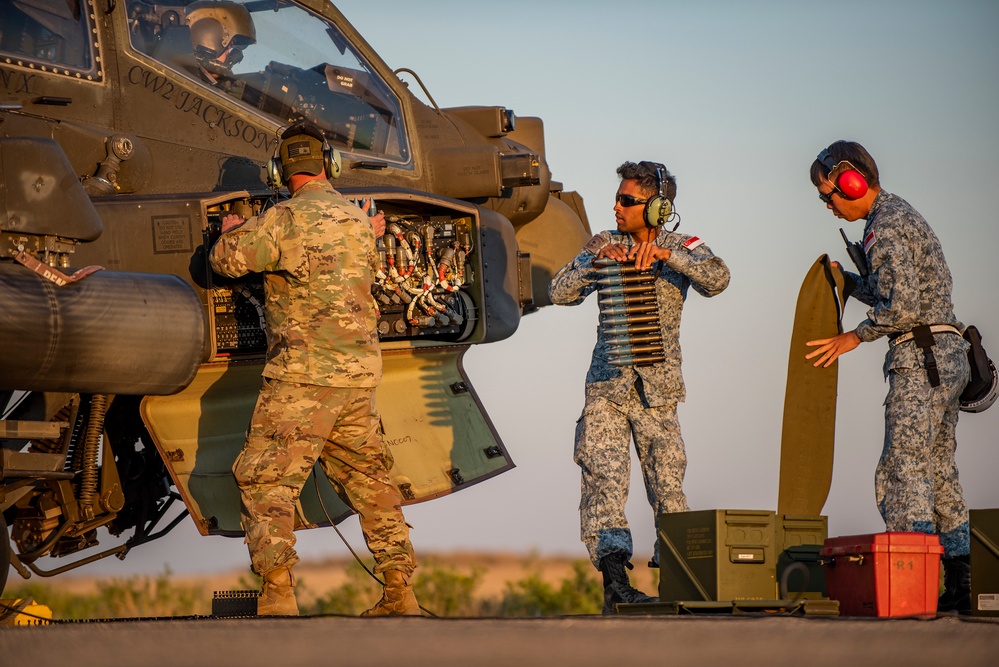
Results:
[219, 32]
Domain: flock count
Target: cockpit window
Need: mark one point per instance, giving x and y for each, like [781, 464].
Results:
[48, 34]
[281, 59]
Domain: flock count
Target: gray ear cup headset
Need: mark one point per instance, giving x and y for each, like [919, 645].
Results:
[274, 176]
[659, 208]
[332, 164]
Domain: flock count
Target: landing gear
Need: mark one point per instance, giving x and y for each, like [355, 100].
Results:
[4, 554]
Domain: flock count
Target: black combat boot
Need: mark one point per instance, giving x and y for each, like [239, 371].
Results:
[617, 586]
[957, 585]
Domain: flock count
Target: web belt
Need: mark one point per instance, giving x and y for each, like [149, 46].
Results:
[923, 335]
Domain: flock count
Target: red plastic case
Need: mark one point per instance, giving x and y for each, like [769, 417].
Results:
[885, 574]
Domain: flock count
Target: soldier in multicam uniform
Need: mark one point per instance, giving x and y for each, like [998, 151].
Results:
[316, 251]
[640, 402]
[908, 286]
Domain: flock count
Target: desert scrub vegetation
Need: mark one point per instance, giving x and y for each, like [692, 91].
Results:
[443, 589]
[134, 597]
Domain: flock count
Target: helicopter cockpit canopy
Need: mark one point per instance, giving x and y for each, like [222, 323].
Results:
[282, 60]
[47, 33]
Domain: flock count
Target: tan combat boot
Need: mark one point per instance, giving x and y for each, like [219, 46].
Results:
[398, 598]
[278, 596]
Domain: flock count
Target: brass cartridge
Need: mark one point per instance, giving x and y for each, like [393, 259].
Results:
[630, 310]
[640, 360]
[628, 299]
[631, 330]
[634, 340]
[636, 350]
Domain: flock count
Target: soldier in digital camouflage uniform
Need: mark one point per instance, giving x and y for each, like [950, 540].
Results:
[638, 402]
[908, 285]
[316, 252]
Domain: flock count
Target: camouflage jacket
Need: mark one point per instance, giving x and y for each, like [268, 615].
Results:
[316, 251]
[908, 283]
[695, 267]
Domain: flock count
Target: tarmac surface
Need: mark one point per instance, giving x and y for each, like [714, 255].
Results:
[730, 640]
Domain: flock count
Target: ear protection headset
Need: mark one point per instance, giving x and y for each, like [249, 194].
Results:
[332, 163]
[659, 208]
[847, 178]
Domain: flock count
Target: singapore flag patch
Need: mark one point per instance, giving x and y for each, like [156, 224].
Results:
[868, 241]
[692, 243]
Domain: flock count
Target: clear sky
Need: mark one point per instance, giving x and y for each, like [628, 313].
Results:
[736, 98]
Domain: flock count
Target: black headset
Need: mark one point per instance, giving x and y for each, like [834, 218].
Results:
[659, 208]
[847, 178]
[331, 161]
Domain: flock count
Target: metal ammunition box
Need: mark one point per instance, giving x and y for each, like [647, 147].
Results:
[718, 555]
[985, 562]
[799, 566]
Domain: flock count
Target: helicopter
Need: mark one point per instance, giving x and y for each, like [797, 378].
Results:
[128, 369]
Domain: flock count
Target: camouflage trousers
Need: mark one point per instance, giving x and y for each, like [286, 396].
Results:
[916, 482]
[293, 426]
[603, 436]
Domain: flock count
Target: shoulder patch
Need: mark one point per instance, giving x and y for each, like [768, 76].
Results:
[868, 241]
[692, 243]
[596, 243]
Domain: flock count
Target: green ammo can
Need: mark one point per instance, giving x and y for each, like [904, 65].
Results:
[985, 562]
[799, 565]
[718, 555]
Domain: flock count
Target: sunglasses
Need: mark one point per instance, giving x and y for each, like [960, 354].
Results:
[628, 201]
[827, 197]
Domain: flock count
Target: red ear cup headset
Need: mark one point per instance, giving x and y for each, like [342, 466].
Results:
[659, 208]
[847, 178]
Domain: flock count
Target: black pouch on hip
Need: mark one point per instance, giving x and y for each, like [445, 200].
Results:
[981, 391]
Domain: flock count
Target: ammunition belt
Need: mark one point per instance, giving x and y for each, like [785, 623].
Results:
[629, 314]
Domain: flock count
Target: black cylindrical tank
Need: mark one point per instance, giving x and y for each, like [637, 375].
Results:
[109, 333]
